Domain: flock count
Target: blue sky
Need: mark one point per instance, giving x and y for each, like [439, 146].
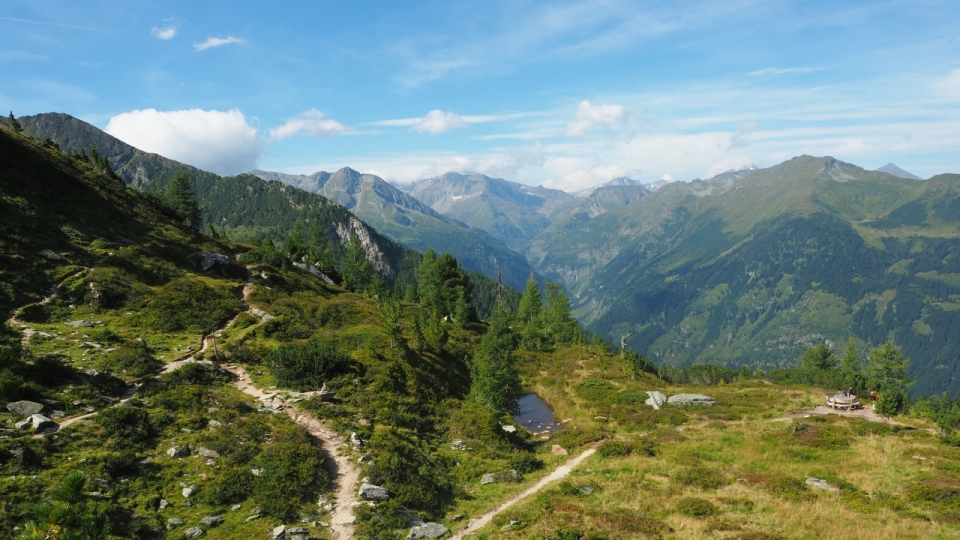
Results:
[564, 94]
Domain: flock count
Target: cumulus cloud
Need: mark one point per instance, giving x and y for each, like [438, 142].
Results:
[311, 122]
[218, 141]
[216, 42]
[739, 137]
[590, 117]
[166, 32]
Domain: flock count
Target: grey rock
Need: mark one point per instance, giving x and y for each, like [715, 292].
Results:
[458, 517]
[365, 459]
[413, 520]
[427, 530]
[164, 503]
[315, 272]
[586, 490]
[211, 521]
[458, 445]
[355, 439]
[236, 507]
[193, 532]
[509, 429]
[173, 523]
[684, 400]
[206, 452]
[656, 399]
[207, 260]
[188, 491]
[57, 414]
[502, 476]
[297, 533]
[820, 483]
[39, 422]
[25, 408]
[50, 254]
[278, 531]
[510, 526]
[373, 493]
[178, 451]
[253, 517]
[78, 324]
[23, 424]
[256, 472]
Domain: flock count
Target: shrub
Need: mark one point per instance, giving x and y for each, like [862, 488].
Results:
[525, 463]
[291, 472]
[631, 397]
[700, 477]
[196, 374]
[609, 449]
[127, 426]
[596, 390]
[307, 366]
[696, 507]
[34, 313]
[233, 485]
[189, 304]
[135, 361]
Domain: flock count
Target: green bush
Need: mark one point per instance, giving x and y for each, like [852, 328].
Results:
[292, 473]
[307, 366]
[632, 397]
[610, 449]
[126, 426]
[135, 361]
[232, 485]
[402, 465]
[525, 463]
[596, 390]
[700, 477]
[696, 507]
[189, 304]
[34, 313]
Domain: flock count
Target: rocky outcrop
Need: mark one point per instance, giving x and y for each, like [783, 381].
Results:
[371, 492]
[36, 423]
[193, 532]
[427, 530]
[497, 477]
[655, 399]
[25, 408]
[686, 400]
[371, 251]
[206, 260]
[315, 272]
[211, 521]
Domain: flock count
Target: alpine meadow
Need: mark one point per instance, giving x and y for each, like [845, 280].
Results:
[574, 270]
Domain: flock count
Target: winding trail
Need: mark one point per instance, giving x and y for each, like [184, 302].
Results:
[344, 475]
[476, 524]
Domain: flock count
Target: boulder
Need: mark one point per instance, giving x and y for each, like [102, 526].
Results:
[413, 520]
[36, 423]
[427, 530]
[297, 533]
[20, 456]
[25, 408]
[253, 517]
[509, 429]
[193, 532]
[178, 451]
[164, 503]
[187, 491]
[684, 400]
[819, 483]
[207, 260]
[50, 254]
[558, 450]
[278, 531]
[173, 523]
[655, 399]
[211, 521]
[208, 453]
[586, 489]
[78, 324]
[373, 493]
[236, 507]
[325, 393]
[502, 476]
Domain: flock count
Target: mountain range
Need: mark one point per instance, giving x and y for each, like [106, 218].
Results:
[748, 267]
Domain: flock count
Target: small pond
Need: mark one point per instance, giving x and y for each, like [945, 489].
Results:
[536, 416]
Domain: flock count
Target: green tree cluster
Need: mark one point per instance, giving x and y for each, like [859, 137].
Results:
[495, 382]
[444, 287]
[545, 324]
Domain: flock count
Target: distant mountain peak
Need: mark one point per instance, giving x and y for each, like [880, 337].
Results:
[890, 168]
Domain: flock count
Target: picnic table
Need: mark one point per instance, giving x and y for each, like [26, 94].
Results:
[841, 401]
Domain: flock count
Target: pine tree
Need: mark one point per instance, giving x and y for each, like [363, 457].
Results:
[819, 358]
[560, 324]
[888, 371]
[530, 317]
[461, 309]
[636, 363]
[14, 123]
[296, 243]
[391, 315]
[356, 270]
[495, 382]
[182, 199]
[850, 363]
[66, 515]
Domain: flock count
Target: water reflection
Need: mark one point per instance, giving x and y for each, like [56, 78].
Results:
[536, 416]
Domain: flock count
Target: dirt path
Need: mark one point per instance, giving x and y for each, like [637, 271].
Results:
[344, 475]
[865, 413]
[476, 524]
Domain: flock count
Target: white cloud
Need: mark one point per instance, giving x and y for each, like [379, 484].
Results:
[590, 117]
[667, 177]
[167, 32]
[782, 71]
[436, 121]
[739, 137]
[218, 141]
[311, 122]
[216, 42]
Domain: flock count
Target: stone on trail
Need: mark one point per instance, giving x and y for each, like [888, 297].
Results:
[683, 400]
[373, 493]
[427, 530]
[25, 408]
[502, 476]
[655, 399]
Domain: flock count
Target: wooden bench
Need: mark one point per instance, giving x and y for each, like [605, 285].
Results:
[840, 401]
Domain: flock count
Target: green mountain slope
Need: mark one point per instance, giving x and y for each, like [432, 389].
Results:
[411, 222]
[753, 269]
[511, 212]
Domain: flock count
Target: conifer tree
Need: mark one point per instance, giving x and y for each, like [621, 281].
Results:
[888, 371]
[14, 123]
[560, 324]
[818, 358]
[530, 317]
[356, 270]
[182, 199]
[66, 514]
[296, 243]
[495, 382]
[391, 315]
[461, 309]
